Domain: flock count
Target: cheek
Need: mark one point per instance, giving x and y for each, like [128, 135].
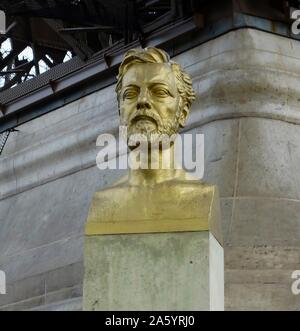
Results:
[124, 109]
[170, 108]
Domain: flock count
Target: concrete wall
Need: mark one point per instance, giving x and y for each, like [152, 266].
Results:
[248, 89]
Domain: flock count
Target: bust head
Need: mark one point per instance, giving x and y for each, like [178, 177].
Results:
[154, 93]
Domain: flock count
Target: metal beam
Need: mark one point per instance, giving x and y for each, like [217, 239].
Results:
[17, 78]
[47, 61]
[10, 57]
[83, 52]
[55, 24]
[8, 72]
[111, 29]
[100, 73]
[98, 70]
[36, 58]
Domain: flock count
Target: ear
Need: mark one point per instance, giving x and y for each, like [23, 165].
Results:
[183, 116]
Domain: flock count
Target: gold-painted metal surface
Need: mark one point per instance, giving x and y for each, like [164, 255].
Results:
[154, 96]
[154, 93]
[171, 206]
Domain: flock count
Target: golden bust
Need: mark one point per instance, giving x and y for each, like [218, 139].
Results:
[154, 96]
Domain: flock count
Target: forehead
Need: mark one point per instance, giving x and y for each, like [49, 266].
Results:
[149, 72]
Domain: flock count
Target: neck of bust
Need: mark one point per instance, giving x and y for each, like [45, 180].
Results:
[149, 167]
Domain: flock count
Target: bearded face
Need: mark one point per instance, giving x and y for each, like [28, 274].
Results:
[150, 103]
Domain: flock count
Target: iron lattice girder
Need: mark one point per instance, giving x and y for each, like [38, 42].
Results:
[11, 56]
[91, 30]
[101, 68]
[83, 51]
[18, 75]
[84, 27]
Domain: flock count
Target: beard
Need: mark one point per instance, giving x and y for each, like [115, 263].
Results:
[150, 127]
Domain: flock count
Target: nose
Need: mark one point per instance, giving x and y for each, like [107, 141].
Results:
[143, 101]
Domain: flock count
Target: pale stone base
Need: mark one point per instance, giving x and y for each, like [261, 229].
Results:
[157, 271]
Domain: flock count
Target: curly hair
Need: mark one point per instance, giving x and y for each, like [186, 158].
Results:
[156, 55]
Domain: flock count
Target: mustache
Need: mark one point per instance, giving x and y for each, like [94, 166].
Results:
[145, 114]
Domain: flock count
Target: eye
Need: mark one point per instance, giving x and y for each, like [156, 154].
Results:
[160, 92]
[130, 94]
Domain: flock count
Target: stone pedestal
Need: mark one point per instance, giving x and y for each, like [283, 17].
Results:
[158, 263]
